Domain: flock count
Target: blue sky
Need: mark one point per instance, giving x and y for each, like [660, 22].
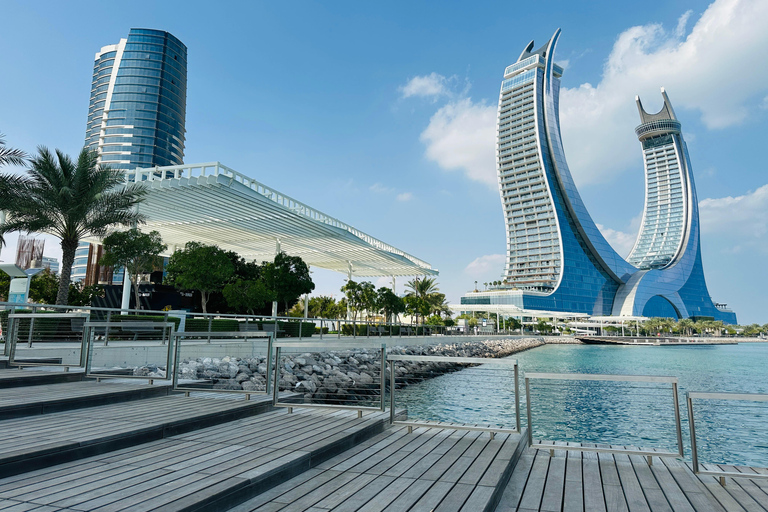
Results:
[382, 114]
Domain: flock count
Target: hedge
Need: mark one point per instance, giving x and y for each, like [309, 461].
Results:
[217, 325]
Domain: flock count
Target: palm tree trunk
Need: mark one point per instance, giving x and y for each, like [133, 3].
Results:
[204, 300]
[68, 248]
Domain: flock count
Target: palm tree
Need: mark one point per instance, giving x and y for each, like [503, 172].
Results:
[68, 200]
[10, 156]
[422, 289]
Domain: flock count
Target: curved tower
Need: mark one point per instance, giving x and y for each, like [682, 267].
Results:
[670, 282]
[557, 259]
[137, 111]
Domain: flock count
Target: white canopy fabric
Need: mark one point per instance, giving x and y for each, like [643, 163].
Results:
[213, 204]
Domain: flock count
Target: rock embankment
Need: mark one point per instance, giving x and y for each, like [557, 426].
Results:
[339, 376]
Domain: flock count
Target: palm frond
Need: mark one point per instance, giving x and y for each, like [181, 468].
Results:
[11, 156]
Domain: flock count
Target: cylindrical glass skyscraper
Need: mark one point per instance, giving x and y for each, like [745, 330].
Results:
[136, 116]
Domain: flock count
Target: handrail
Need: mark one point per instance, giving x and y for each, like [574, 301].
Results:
[248, 336]
[89, 338]
[690, 396]
[11, 338]
[324, 346]
[457, 360]
[602, 377]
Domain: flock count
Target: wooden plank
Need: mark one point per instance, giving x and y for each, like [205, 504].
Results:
[753, 498]
[630, 484]
[432, 498]
[384, 499]
[361, 499]
[594, 494]
[573, 494]
[655, 497]
[537, 479]
[456, 498]
[513, 492]
[552, 499]
[679, 498]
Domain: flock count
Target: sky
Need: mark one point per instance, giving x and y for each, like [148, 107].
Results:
[382, 114]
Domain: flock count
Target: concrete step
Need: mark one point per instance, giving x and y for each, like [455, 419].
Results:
[40, 441]
[212, 468]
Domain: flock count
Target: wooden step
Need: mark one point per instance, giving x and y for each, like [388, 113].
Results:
[49, 398]
[14, 377]
[209, 469]
[40, 441]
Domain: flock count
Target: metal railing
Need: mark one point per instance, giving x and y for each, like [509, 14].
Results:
[47, 329]
[447, 364]
[103, 360]
[252, 350]
[615, 378]
[697, 468]
[338, 389]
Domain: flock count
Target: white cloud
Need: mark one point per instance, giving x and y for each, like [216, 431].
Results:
[432, 86]
[485, 266]
[380, 189]
[621, 241]
[713, 71]
[461, 136]
[405, 196]
[742, 217]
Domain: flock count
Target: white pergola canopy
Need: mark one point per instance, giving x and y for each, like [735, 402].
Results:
[213, 204]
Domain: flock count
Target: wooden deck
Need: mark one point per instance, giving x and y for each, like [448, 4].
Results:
[38, 441]
[587, 481]
[208, 469]
[429, 469]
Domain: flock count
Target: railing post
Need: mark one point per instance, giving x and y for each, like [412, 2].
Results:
[210, 325]
[31, 328]
[677, 420]
[275, 387]
[106, 329]
[528, 410]
[383, 374]
[391, 392]
[692, 426]
[321, 328]
[517, 399]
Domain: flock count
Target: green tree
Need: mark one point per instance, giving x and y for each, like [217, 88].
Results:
[205, 268]
[10, 156]
[288, 278]
[353, 294]
[368, 298]
[81, 295]
[70, 200]
[247, 295]
[43, 287]
[137, 252]
[389, 303]
[322, 307]
[5, 284]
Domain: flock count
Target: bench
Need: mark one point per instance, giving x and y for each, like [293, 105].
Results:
[408, 331]
[379, 329]
[141, 328]
[265, 327]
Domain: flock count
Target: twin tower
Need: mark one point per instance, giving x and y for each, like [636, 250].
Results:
[557, 259]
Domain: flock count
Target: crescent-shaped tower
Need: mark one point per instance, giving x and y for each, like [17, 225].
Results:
[556, 258]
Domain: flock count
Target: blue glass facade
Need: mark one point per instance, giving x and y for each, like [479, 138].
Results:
[136, 116]
[588, 276]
